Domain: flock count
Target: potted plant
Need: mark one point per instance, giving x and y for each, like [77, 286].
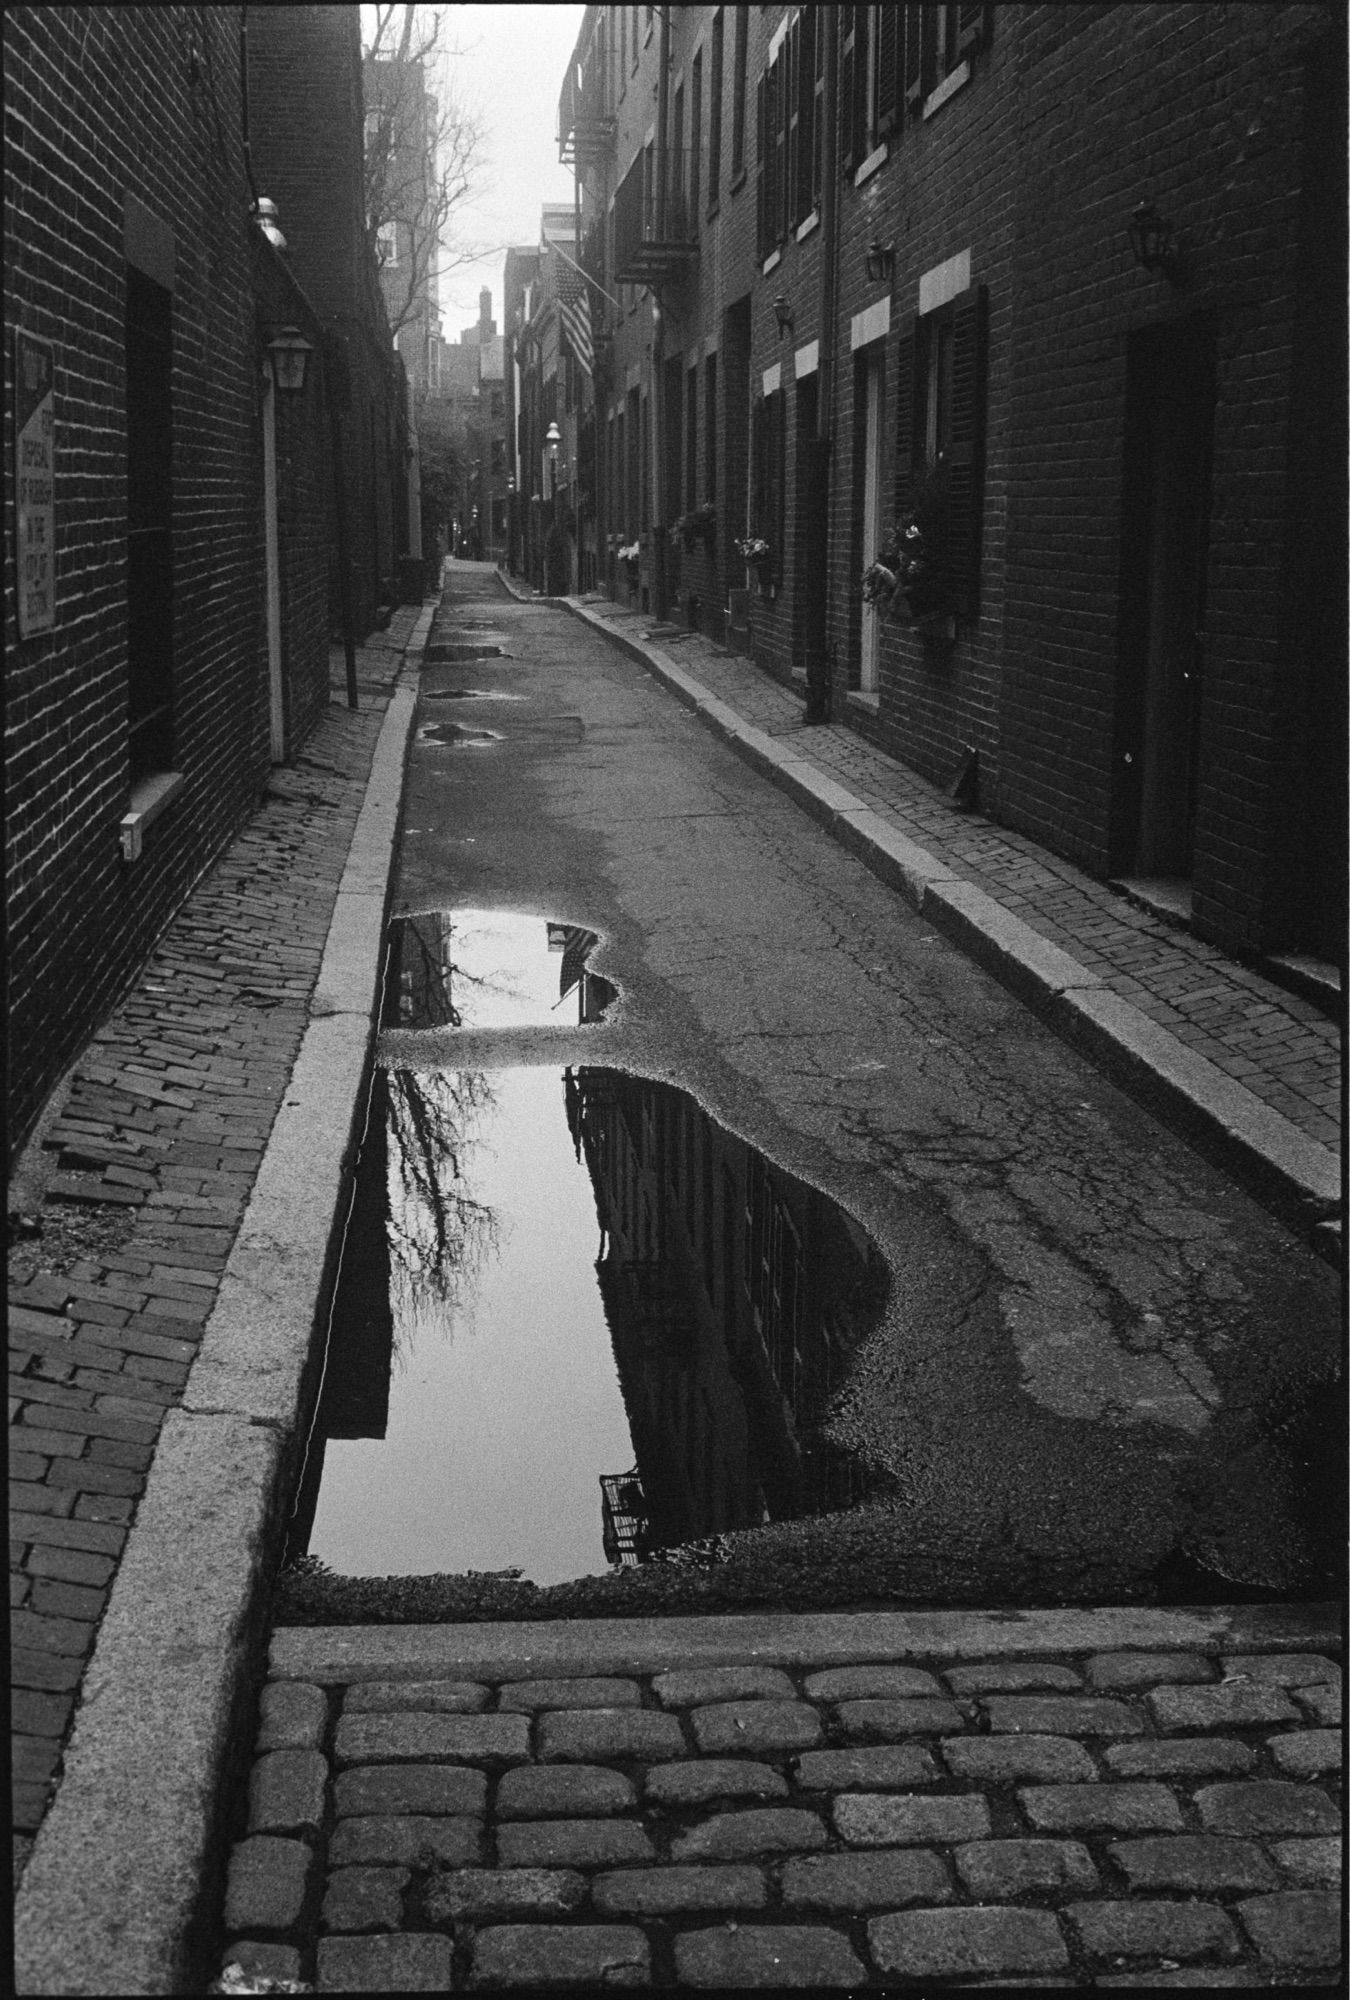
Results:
[914, 563]
[754, 551]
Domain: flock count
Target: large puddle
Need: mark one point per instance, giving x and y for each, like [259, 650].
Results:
[576, 1323]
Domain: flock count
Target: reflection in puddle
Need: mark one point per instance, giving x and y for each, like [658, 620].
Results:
[457, 736]
[489, 969]
[469, 694]
[576, 1322]
[440, 651]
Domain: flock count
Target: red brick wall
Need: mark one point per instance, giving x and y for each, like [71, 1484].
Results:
[159, 117]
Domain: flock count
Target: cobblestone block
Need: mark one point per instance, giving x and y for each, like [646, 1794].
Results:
[285, 1792]
[1011, 1677]
[527, 1696]
[1295, 1927]
[997, 1870]
[668, 1892]
[562, 1791]
[1061, 1715]
[992, 1760]
[262, 1961]
[70, 1565]
[408, 1840]
[364, 1899]
[1135, 1670]
[1178, 1757]
[765, 1956]
[410, 1788]
[1291, 1670]
[574, 1737]
[698, 1687]
[875, 1683]
[880, 1880]
[892, 1719]
[1239, 1707]
[515, 1955]
[756, 1726]
[933, 1944]
[694, 1784]
[427, 1697]
[1267, 1806]
[1307, 1753]
[882, 1768]
[1154, 1930]
[1311, 1864]
[1140, 1808]
[735, 1836]
[1198, 1863]
[413, 1963]
[881, 1821]
[1322, 1704]
[572, 1843]
[267, 1883]
[499, 1895]
[464, 1739]
[293, 1716]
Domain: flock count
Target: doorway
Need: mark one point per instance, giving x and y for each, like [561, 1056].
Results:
[1169, 436]
[873, 383]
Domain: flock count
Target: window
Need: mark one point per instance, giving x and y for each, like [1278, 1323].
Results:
[715, 113]
[742, 19]
[940, 425]
[386, 245]
[710, 430]
[768, 444]
[691, 441]
[695, 137]
[149, 355]
[788, 100]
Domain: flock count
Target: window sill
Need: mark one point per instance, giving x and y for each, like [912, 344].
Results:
[947, 88]
[812, 222]
[866, 699]
[875, 159]
[148, 800]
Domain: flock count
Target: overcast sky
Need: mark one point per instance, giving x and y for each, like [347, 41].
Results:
[511, 72]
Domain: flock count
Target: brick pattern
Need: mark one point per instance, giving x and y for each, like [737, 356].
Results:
[656, 1864]
[148, 1165]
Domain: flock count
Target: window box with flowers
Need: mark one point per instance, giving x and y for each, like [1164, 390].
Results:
[698, 525]
[915, 565]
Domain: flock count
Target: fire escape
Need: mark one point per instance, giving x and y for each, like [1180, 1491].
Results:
[653, 240]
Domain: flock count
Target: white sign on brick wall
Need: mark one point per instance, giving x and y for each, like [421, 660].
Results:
[34, 481]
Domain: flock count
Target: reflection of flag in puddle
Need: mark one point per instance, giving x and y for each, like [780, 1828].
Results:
[576, 946]
[623, 1509]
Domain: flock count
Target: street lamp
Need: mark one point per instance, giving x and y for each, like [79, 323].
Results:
[1153, 240]
[289, 352]
[553, 438]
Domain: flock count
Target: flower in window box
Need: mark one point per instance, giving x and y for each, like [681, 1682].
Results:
[630, 552]
[754, 550]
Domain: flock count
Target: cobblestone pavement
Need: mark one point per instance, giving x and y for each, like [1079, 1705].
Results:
[139, 1181]
[1283, 1048]
[991, 1801]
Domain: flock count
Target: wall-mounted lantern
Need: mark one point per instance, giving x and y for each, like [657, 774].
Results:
[1153, 240]
[290, 352]
[879, 260]
[782, 312]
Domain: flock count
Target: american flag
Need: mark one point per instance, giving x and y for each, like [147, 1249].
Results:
[575, 307]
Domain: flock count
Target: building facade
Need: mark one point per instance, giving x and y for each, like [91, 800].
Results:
[168, 488]
[868, 287]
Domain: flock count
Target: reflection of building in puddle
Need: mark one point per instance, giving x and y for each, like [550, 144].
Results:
[735, 1297]
[488, 969]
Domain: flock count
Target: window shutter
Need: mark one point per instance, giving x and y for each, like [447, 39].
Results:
[889, 23]
[847, 20]
[755, 525]
[969, 28]
[965, 456]
[778, 445]
[819, 137]
[761, 232]
[913, 14]
[861, 108]
[779, 109]
[805, 32]
[906, 399]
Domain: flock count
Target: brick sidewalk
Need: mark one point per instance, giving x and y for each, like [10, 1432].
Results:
[1281, 1047]
[139, 1181]
[993, 1800]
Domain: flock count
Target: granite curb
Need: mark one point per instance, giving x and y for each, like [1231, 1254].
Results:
[1292, 1173]
[111, 1899]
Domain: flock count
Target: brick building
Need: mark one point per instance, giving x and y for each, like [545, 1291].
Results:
[167, 492]
[469, 394]
[857, 271]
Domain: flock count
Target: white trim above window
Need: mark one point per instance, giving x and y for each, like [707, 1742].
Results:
[773, 379]
[872, 324]
[948, 87]
[806, 360]
[876, 158]
[944, 282]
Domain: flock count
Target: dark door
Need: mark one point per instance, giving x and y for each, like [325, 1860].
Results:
[813, 541]
[1169, 441]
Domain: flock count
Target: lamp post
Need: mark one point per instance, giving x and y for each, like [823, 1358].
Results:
[552, 438]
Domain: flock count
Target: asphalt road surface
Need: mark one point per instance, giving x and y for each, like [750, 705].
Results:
[1103, 1373]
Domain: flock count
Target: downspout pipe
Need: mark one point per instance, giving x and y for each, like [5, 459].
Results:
[658, 466]
[817, 660]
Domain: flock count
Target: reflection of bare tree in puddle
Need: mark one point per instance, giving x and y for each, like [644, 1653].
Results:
[428, 961]
[440, 1234]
